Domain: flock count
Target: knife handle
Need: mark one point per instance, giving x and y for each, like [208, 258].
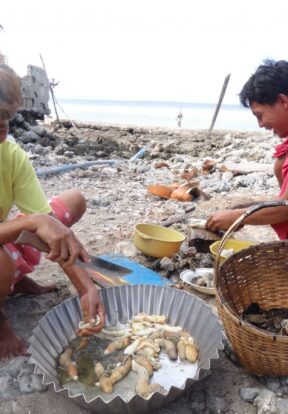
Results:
[32, 239]
[27, 237]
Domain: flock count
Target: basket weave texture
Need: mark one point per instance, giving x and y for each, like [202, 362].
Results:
[257, 274]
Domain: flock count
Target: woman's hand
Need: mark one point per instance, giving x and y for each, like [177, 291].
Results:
[91, 304]
[65, 248]
[222, 220]
[91, 308]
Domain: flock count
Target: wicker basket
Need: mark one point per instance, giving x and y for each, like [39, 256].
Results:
[257, 274]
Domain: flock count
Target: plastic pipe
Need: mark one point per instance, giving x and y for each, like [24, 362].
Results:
[67, 167]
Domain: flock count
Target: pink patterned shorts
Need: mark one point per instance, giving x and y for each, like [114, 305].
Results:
[26, 257]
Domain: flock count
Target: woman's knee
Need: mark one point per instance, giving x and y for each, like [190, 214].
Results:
[75, 202]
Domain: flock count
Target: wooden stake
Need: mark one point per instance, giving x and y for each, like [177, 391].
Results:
[72, 122]
[51, 87]
[224, 87]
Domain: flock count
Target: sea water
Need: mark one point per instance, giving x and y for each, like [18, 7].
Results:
[156, 114]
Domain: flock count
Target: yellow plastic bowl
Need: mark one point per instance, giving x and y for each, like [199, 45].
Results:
[234, 244]
[157, 241]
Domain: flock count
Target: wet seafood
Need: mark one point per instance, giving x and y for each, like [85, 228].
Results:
[148, 351]
[169, 347]
[156, 334]
[116, 333]
[173, 337]
[143, 386]
[147, 331]
[273, 320]
[153, 361]
[144, 361]
[284, 327]
[99, 369]
[206, 279]
[149, 318]
[186, 335]
[191, 352]
[106, 382]
[187, 349]
[131, 349]
[148, 343]
[94, 322]
[140, 344]
[65, 361]
[116, 345]
[137, 326]
[181, 349]
[168, 328]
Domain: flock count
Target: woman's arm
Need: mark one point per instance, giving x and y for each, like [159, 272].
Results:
[65, 248]
[222, 220]
[91, 303]
[10, 230]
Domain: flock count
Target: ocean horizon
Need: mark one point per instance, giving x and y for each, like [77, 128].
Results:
[156, 114]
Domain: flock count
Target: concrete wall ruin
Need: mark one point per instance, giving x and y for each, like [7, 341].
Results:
[35, 90]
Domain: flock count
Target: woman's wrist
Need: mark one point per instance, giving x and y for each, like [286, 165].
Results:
[79, 278]
[31, 221]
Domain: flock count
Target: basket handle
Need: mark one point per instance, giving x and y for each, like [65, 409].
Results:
[237, 224]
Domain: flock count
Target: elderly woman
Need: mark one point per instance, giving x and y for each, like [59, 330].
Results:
[50, 220]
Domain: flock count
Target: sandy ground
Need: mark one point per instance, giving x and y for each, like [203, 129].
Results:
[218, 392]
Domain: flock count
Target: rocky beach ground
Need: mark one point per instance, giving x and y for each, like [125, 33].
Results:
[117, 199]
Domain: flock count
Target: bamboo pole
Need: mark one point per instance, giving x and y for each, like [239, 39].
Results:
[51, 86]
[224, 87]
[67, 116]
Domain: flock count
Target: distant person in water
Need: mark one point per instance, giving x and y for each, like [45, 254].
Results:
[50, 220]
[266, 94]
[179, 119]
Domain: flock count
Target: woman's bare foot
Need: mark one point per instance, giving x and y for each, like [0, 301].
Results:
[10, 345]
[29, 286]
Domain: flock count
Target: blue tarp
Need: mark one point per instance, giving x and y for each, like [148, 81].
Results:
[140, 275]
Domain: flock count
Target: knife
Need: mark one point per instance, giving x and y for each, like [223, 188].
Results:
[97, 264]
[197, 223]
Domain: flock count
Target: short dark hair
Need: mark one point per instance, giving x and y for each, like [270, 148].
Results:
[264, 86]
[10, 92]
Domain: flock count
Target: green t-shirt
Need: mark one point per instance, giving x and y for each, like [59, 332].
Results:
[19, 184]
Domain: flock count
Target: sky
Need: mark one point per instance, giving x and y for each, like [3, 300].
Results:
[151, 50]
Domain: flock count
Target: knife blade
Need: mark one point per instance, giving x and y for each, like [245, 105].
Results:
[99, 265]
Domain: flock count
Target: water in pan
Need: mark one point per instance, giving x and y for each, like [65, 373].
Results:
[170, 373]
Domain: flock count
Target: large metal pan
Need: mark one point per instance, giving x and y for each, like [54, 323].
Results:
[122, 302]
